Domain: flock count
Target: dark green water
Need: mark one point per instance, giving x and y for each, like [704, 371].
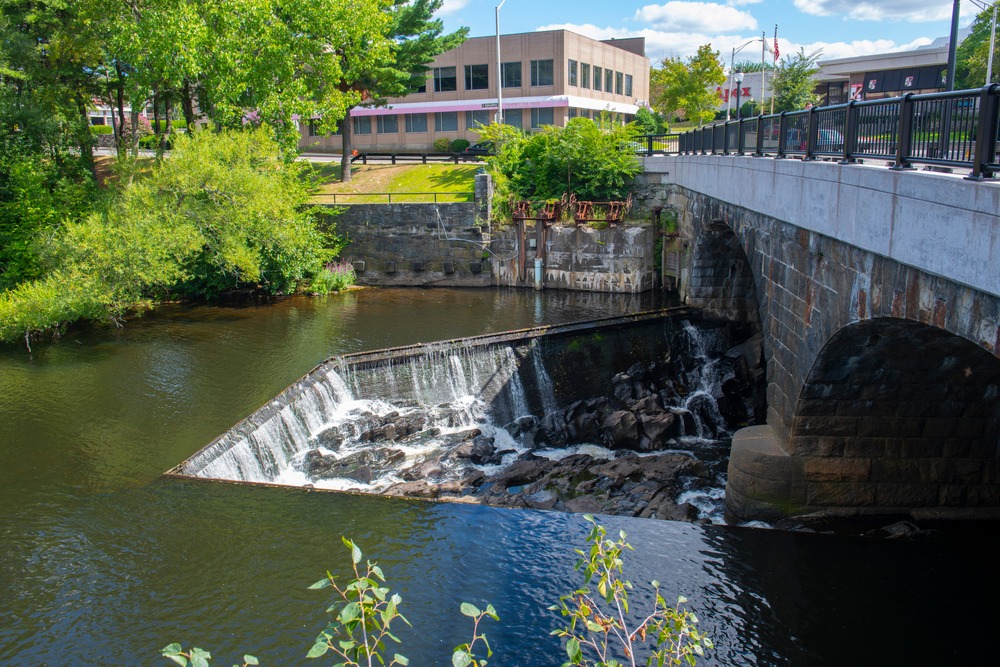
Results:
[104, 562]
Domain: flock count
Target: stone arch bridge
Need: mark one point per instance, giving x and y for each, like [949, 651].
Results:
[878, 297]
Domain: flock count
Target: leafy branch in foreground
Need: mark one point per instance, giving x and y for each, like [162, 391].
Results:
[600, 624]
[463, 655]
[197, 656]
[363, 616]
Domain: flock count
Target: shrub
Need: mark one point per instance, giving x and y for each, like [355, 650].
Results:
[459, 145]
[225, 212]
[102, 129]
[333, 277]
[593, 160]
[441, 145]
[600, 623]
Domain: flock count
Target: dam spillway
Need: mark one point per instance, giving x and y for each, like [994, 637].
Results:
[447, 418]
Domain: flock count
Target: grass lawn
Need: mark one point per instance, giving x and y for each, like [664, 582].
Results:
[374, 183]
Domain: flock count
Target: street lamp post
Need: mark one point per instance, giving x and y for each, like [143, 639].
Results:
[732, 64]
[993, 36]
[739, 86]
[499, 116]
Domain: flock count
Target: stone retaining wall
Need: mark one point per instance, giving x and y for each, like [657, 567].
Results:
[416, 244]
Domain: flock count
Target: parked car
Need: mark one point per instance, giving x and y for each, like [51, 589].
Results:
[480, 149]
[829, 140]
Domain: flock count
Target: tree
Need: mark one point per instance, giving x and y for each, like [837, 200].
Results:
[793, 82]
[650, 122]
[416, 39]
[687, 89]
[973, 53]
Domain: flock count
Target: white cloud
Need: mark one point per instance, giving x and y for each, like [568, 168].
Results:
[451, 6]
[681, 16]
[666, 44]
[878, 10]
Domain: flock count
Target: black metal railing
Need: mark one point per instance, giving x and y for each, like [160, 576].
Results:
[958, 129]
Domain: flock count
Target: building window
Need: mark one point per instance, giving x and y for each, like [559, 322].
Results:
[312, 128]
[473, 119]
[416, 122]
[628, 85]
[422, 88]
[477, 77]
[445, 79]
[541, 117]
[541, 72]
[513, 118]
[512, 75]
[387, 125]
[618, 83]
[609, 80]
[446, 122]
[584, 75]
[362, 125]
[597, 77]
[572, 72]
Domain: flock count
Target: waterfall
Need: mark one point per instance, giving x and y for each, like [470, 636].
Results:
[545, 389]
[701, 402]
[443, 413]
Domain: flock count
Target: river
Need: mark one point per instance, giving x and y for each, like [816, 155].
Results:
[104, 562]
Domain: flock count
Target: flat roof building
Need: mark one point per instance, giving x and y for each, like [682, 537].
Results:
[548, 77]
[921, 70]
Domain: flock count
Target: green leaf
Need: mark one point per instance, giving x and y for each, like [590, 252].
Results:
[461, 658]
[179, 659]
[174, 649]
[318, 649]
[469, 610]
[401, 659]
[573, 650]
[492, 613]
[250, 660]
[322, 583]
[355, 553]
[350, 612]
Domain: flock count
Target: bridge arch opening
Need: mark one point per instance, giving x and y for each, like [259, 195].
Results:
[722, 282]
[897, 416]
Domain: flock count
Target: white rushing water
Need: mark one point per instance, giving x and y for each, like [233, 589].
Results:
[368, 427]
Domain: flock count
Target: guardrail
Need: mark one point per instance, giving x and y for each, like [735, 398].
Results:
[423, 158]
[400, 197]
[952, 129]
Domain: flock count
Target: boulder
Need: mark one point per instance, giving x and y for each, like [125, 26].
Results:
[621, 430]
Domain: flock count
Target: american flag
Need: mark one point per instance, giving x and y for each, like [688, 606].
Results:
[775, 43]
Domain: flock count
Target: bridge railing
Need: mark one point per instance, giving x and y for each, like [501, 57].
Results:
[958, 129]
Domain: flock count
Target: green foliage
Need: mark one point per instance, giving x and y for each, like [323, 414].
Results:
[38, 192]
[459, 145]
[441, 145]
[464, 654]
[226, 211]
[102, 129]
[333, 277]
[364, 610]
[793, 82]
[973, 52]
[197, 657]
[650, 122]
[686, 88]
[364, 614]
[595, 160]
[600, 624]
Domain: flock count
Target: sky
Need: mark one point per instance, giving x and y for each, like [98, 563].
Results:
[841, 28]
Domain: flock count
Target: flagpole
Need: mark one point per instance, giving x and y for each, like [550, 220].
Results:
[763, 87]
[775, 54]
